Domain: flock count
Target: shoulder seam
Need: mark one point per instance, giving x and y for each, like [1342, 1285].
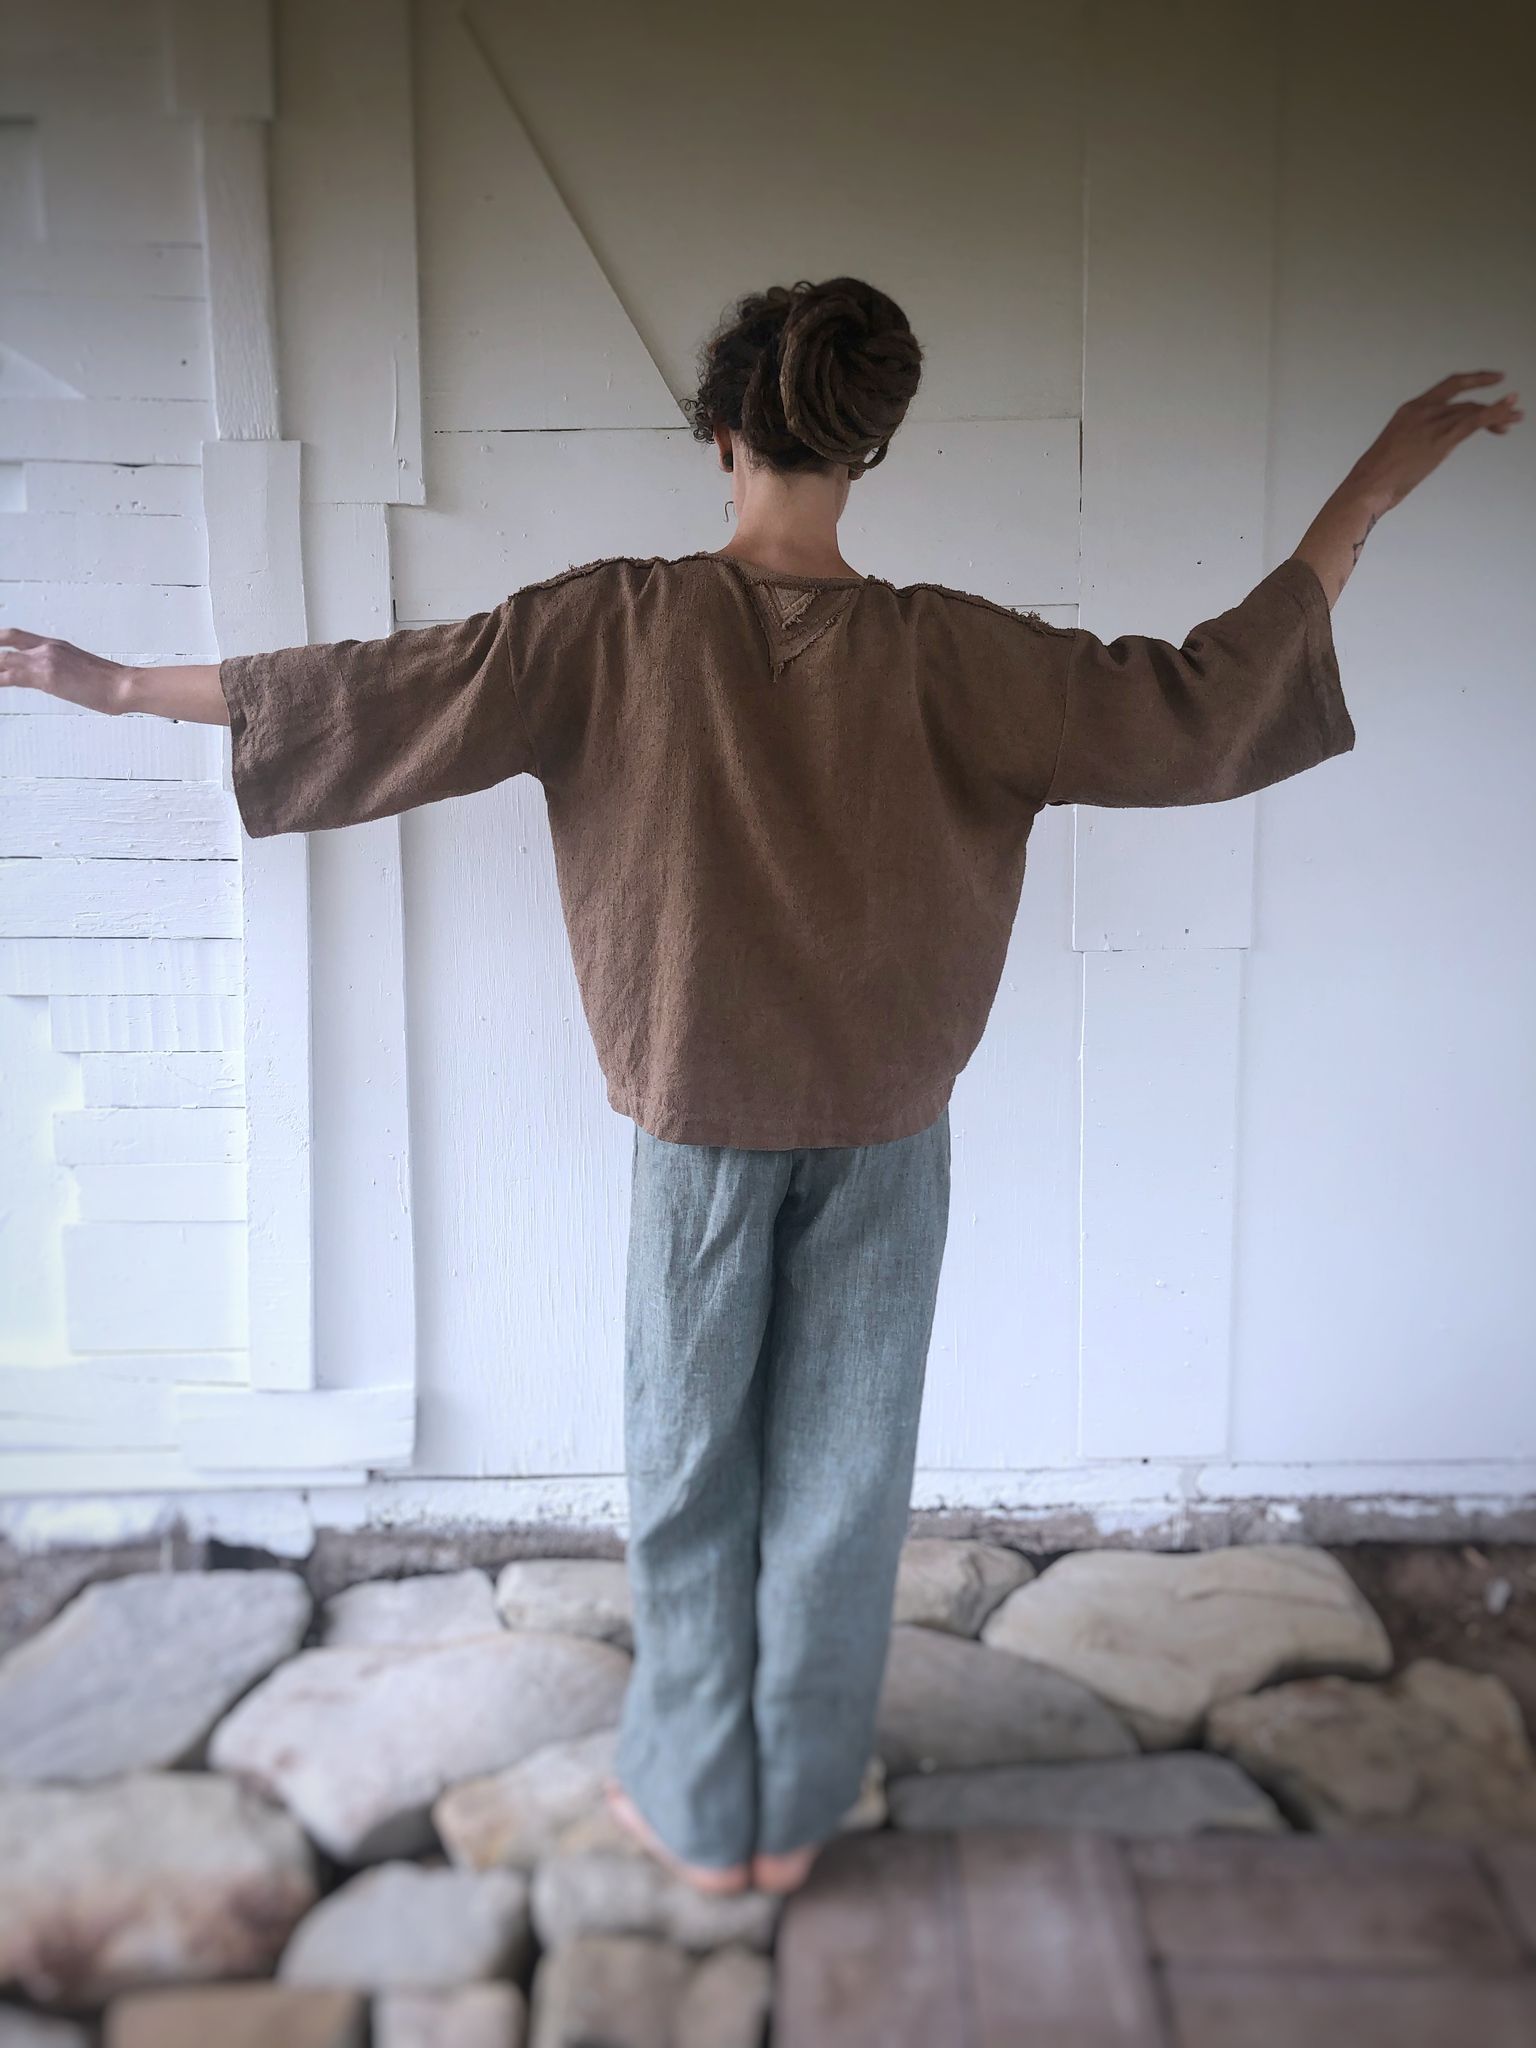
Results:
[1032, 619]
[576, 569]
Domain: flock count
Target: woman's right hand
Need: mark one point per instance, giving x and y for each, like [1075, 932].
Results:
[189, 691]
[1423, 431]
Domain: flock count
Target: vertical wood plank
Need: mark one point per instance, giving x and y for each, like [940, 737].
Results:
[255, 574]
[1177, 299]
[238, 242]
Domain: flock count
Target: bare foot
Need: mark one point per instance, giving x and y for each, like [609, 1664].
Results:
[712, 1878]
[787, 1872]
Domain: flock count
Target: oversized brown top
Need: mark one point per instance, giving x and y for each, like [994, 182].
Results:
[789, 813]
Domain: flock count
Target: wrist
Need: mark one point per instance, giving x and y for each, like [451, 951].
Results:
[1362, 495]
[124, 689]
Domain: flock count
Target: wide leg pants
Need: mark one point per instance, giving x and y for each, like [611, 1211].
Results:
[778, 1311]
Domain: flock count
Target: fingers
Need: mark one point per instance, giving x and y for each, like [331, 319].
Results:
[13, 636]
[1460, 380]
[1465, 418]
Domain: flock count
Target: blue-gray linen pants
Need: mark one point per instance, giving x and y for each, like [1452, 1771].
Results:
[778, 1311]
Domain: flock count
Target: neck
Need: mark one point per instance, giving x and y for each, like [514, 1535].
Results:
[789, 522]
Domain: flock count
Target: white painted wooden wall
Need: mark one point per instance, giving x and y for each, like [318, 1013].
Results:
[1243, 1167]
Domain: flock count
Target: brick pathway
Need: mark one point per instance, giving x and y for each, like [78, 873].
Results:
[1015, 1938]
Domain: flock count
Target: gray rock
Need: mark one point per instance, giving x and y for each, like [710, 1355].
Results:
[1163, 1636]
[514, 1816]
[577, 1596]
[156, 1878]
[599, 1880]
[947, 1704]
[239, 2016]
[726, 2002]
[1182, 1792]
[432, 1607]
[405, 1927]
[135, 1671]
[19, 2029]
[609, 1991]
[478, 2016]
[1434, 1751]
[359, 1743]
[955, 1582]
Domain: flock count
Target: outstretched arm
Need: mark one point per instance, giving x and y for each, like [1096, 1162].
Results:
[1252, 695]
[60, 669]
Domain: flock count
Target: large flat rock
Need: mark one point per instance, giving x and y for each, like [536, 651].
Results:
[948, 1704]
[404, 1926]
[578, 1596]
[514, 1816]
[155, 1878]
[238, 2016]
[360, 1742]
[1434, 1751]
[428, 1607]
[1162, 1636]
[1180, 1792]
[135, 1671]
[954, 1582]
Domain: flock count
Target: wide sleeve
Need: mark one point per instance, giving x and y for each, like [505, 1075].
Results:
[1252, 696]
[358, 729]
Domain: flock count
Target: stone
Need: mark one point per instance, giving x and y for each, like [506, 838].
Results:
[401, 1925]
[238, 2016]
[360, 1742]
[135, 1671]
[514, 1816]
[948, 1704]
[599, 1880]
[609, 1991]
[432, 1607]
[726, 2002]
[577, 1596]
[1162, 1636]
[155, 1878]
[477, 2016]
[22, 2029]
[1433, 1751]
[1178, 1792]
[955, 1582]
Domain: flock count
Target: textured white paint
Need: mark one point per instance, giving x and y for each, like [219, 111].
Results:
[37, 967]
[91, 898]
[155, 1286]
[183, 1022]
[237, 241]
[158, 1191]
[227, 1428]
[188, 1080]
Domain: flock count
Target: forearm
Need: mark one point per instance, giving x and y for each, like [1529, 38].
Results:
[1332, 543]
[189, 692]
[57, 668]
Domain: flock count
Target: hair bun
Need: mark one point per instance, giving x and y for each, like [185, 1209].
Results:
[848, 367]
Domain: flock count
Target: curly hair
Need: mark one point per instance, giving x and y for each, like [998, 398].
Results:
[810, 375]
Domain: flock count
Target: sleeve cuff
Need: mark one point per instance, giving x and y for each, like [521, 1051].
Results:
[1302, 584]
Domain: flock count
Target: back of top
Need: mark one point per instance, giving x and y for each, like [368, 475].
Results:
[789, 813]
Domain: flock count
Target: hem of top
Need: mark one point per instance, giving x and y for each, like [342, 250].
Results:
[682, 1127]
[1305, 588]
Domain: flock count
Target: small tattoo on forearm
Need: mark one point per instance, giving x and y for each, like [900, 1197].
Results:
[1360, 543]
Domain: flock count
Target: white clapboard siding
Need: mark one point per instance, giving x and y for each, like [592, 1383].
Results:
[221, 58]
[344, 219]
[73, 967]
[161, 1080]
[60, 547]
[170, 1191]
[151, 749]
[94, 898]
[155, 1286]
[55, 1407]
[103, 429]
[51, 815]
[117, 178]
[204, 1368]
[140, 623]
[145, 1023]
[146, 1135]
[81, 56]
[122, 347]
[148, 270]
[224, 1429]
[39, 1475]
[162, 489]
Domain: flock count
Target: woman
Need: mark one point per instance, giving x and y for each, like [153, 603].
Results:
[789, 806]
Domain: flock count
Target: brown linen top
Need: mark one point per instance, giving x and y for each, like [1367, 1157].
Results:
[788, 813]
